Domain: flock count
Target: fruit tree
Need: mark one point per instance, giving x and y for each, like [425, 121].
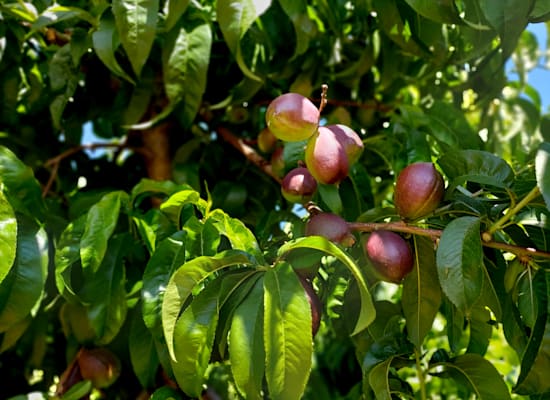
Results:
[274, 199]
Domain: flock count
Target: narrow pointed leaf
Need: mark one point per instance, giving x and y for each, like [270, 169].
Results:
[8, 236]
[100, 225]
[287, 333]
[185, 64]
[183, 281]
[367, 312]
[379, 379]
[136, 21]
[460, 262]
[421, 292]
[246, 343]
[106, 41]
[173, 10]
[67, 255]
[542, 169]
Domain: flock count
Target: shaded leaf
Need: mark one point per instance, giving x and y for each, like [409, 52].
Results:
[442, 11]
[331, 197]
[421, 297]
[296, 10]
[378, 379]
[367, 311]
[173, 10]
[460, 262]
[143, 354]
[542, 169]
[287, 333]
[136, 21]
[22, 289]
[57, 13]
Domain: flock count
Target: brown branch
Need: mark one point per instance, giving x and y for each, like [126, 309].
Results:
[247, 151]
[435, 234]
[55, 161]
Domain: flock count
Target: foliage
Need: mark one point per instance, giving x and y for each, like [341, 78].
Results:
[167, 239]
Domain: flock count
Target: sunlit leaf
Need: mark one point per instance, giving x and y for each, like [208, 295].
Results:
[183, 281]
[287, 333]
[8, 236]
[173, 10]
[57, 13]
[303, 25]
[246, 343]
[172, 207]
[367, 311]
[379, 379]
[460, 262]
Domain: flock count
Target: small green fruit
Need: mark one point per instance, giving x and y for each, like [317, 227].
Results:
[326, 158]
[330, 226]
[298, 186]
[292, 117]
[99, 365]
[390, 255]
[419, 189]
[266, 141]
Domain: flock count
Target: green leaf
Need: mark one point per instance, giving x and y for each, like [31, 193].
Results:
[460, 262]
[20, 186]
[168, 256]
[421, 297]
[379, 379]
[476, 166]
[235, 17]
[104, 291]
[173, 10]
[542, 169]
[166, 393]
[22, 289]
[442, 11]
[296, 10]
[240, 237]
[246, 343]
[78, 390]
[480, 330]
[367, 311]
[183, 281]
[106, 41]
[68, 254]
[8, 236]
[101, 222]
[63, 81]
[186, 57]
[143, 354]
[194, 337]
[478, 375]
[287, 333]
[331, 197]
[136, 21]
[57, 13]
[173, 206]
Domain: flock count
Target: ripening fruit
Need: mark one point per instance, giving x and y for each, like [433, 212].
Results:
[298, 185]
[278, 162]
[99, 365]
[292, 117]
[326, 158]
[330, 226]
[266, 141]
[390, 255]
[314, 303]
[350, 141]
[418, 190]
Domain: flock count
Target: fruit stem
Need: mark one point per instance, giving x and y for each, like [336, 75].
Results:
[534, 193]
[420, 374]
[324, 101]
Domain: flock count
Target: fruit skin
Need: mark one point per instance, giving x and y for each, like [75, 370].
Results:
[298, 185]
[266, 141]
[330, 226]
[326, 158]
[278, 162]
[99, 365]
[314, 303]
[390, 255]
[419, 189]
[292, 117]
[350, 141]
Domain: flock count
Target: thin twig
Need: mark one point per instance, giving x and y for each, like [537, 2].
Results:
[248, 152]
